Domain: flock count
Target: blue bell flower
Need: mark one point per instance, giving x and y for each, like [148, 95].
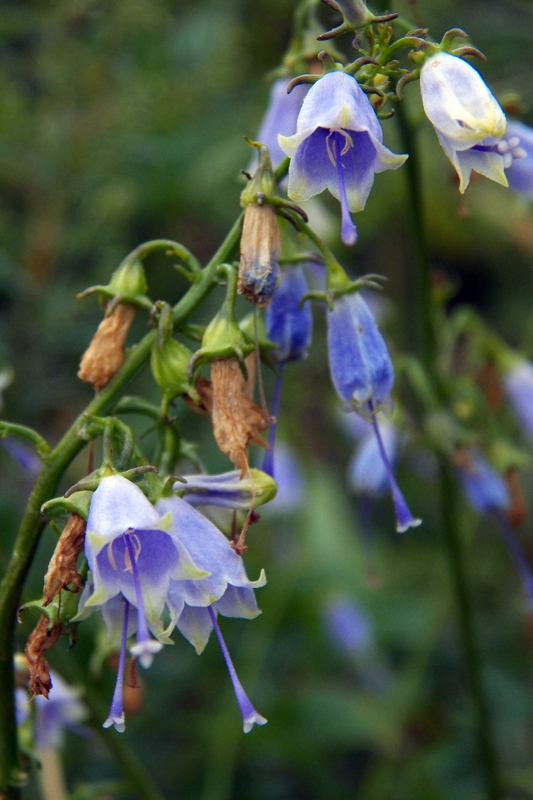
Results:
[280, 117]
[362, 374]
[288, 325]
[467, 119]
[338, 145]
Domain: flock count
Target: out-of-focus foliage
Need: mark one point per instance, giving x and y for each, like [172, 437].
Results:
[122, 121]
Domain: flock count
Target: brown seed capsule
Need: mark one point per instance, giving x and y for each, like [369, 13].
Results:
[260, 251]
[105, 354]
[40, 640]
[237, 420]
[62, 568]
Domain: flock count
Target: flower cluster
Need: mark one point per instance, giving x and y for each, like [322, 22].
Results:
[146, 561]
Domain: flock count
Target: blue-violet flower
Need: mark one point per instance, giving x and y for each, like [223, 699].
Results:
[338, 145]
[520, 173]
[519, 386]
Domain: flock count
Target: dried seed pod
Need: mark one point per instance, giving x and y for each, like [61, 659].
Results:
[105, 354]
[62, 568]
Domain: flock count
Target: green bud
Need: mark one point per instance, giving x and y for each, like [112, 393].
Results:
[355, 14]
[169, 360]
[129, 279]
[263, 182]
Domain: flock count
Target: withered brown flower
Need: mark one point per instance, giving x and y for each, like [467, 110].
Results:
[237, 420]
[62, 568]
[260, 252]
[40, 640]
[105, 354]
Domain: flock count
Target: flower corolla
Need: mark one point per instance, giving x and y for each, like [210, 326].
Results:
[467, 119]
[484, 488]
[338, 145]
[63, 709]
[519, 387]
[288, 325]
[280, 117]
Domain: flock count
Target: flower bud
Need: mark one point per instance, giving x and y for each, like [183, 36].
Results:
[169, 361]
[228, 490]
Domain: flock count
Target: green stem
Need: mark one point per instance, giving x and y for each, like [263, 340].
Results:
[450, 505]
[420, 331]
[423, 342]
[31, 527]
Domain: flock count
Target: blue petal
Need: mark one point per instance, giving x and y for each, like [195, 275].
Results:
[288, 325]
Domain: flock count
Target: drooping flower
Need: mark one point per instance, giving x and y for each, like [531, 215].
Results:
[467, 119]
[62, 710]
[225, 590]
[519, 387]
[347, 624]
[520, 173]
[487, 493]
[362, 374]
[133, 555]
[290, 327]
[338, 145]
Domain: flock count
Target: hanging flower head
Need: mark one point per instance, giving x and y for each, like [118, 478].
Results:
[226, 590]
[338, 145]
[132, 555]
[362, 374]
[467, 119]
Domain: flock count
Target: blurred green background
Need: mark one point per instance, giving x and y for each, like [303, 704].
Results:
[123, 121]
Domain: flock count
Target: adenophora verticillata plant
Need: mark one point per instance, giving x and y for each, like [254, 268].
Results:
[154, 562]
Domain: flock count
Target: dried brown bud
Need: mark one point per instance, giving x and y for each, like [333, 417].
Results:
[260, 251]
[237, 420]
[40, 640]
[105, 354]
[62, 568]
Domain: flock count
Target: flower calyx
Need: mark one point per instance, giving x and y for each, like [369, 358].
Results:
[338, 284]
[127, 285]
[222, 338]
[355, 16]
[169, 360]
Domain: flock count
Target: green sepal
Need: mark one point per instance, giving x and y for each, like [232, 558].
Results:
[77, 503]
[262, 186]
[222, 338]
[127, 285]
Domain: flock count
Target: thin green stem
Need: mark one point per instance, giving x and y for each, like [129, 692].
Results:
[452, 533]
[422, 340]
[31, 527]
[420, 331]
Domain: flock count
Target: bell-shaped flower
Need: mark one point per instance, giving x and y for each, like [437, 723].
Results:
[63, 709]
[467, 119]
[519, 387]
[347, 624]
[520, 173]
[338, 145]
[133, 556]
[228, 489]
[288, 325]
[362, 374]
[226, 589]
[359, 362]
